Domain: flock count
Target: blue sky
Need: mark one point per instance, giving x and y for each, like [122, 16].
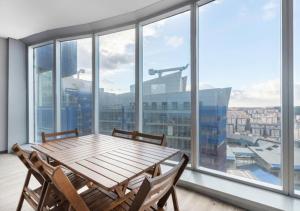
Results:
[239, 47]
[239, 44]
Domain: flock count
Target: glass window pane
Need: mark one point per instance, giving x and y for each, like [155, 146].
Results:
[116, 81]
[297, 95]
[166, 80]
[76, 85]
[43, 69]
[239, 88]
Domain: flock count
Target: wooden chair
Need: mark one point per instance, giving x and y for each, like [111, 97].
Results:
[35, 197]
[122, 133]
[54, 136]
[135, 183]
[153, 192]
[149, 138]
[46, 137]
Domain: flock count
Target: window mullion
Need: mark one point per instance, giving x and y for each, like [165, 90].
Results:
[287, 98]
[138, 76]
[96, 73]
[57, 86]
[194, 87]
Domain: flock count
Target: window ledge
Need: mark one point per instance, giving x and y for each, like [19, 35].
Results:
[241, 195]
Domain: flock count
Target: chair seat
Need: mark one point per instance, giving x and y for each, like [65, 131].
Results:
[126, 204]
[54, 198]
[33, 197]
[97, 200]
[136, 182]
[76, 180]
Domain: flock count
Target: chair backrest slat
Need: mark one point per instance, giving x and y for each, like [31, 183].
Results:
[55, 136]
[154, 189]
[64, 185]
[24, 156]
[60, 181]
[149, 138]
[122, 133]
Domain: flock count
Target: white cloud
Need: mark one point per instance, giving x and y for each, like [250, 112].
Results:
[262, 94]
[218, 1]
[117, 43]
[269, 10]
[244, 12]
[174, 41]
[84, 53]
[152, 30]
[116, 50]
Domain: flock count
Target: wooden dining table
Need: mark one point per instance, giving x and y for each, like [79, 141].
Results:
[108, 162]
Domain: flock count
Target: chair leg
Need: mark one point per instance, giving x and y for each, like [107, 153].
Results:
[174, 198]
[43, 196]
[161, 203]
[20, 204]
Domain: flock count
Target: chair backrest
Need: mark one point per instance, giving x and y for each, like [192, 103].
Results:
[60, 181]
[122, 133]
[59, 135]
[24, 156]
[149, 138]
[154, 189]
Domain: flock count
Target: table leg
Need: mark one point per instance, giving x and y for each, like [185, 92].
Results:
[121, 190]
[122, 196]
[157, 171]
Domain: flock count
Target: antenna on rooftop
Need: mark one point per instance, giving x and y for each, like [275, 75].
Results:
[161, 71]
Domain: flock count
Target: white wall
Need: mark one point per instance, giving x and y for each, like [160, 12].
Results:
[3, 94]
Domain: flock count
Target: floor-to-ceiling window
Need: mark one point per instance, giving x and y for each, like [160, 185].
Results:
[239, 76]
[166, 80]
[43, 94]
[239, 88]
[76, 85]
[297, 96]
[117, 81]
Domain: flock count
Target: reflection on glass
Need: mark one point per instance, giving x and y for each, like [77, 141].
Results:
[239, 89]
[43, 68]
[76, 85]
[116, 81]
[166, 80]
[297, 96]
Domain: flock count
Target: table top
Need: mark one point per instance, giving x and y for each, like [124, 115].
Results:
[106, 160]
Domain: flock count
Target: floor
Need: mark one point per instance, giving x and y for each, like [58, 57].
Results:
[12, 176]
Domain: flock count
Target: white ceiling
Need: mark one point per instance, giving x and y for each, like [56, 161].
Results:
[21, 18]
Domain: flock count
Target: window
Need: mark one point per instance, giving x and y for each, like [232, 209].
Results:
[239, 88]
[297, 96]
[240, 133]
[43, 77]
[117, 81]
[166, 80]
[76, 85]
